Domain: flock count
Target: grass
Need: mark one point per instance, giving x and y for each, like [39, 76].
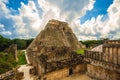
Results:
[7, 62]
[21, 58]
[80, 51]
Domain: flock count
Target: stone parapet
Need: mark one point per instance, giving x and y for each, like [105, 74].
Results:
[94, 55]
[112, 42]
[111, 45]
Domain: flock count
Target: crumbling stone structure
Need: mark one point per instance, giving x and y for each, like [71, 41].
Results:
[12, 50]
[52, 52]
[104, 65]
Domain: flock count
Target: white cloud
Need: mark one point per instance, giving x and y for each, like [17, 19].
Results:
[3, 9]
[3, 31]
[110, 28]
[28, 23]
[68, 10]
[1, 27]
[6, 1]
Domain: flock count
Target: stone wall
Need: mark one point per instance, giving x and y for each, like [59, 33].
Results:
[7, 75]
[100, 73]
[112, 42]
[104, 65]
[93, 55]
[12, 50]
[56, 75]
[62, 73]
[111, 50]
[111, 53]
[81, 68]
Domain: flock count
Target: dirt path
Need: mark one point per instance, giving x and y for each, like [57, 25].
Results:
[77, 77]
[25, 68]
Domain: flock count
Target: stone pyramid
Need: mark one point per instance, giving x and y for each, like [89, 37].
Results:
[57, 34]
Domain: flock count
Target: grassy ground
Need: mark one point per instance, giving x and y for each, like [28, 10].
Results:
[80, 51]
[21, 58]
[7, 61]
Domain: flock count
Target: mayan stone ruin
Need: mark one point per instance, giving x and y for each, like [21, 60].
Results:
[52, 52]
[104, 64]
[53, 55]
[12, 49]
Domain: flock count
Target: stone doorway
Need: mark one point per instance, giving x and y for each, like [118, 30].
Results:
[70, 71]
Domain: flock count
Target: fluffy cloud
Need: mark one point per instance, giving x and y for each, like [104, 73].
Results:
[26, 24]
[96, 28]
[3, 31]
[29, 22]
[66, 10]
[33, 17]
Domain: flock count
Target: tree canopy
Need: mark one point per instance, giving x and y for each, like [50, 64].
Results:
[21, 43]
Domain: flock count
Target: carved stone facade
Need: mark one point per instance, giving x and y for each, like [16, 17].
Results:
[104, 65]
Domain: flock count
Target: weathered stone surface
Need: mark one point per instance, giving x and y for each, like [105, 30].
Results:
[104, 65]
[56, 33]
[12, 50]
[53, 49]
[19, 75]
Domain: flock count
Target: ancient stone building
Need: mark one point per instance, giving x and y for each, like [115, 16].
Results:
[12, 50]
[105, 64]
[52, 52]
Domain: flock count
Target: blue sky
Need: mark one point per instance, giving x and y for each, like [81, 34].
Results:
[90, 20]
[15, 4]
[100, 8]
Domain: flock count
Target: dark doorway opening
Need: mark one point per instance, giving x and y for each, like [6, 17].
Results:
[70, 71]
[63, 28]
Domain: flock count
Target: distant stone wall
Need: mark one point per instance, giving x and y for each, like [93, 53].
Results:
[112, 42]
[12, 50]
[7, 75]
[100, 73]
